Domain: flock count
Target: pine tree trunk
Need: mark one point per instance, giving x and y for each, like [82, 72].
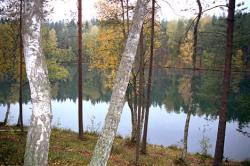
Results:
[123, 20]
[104, 144]
[80, 120]
[148, 101]
[20, 119]
[127, 13]
[219, 149]
[37, 145]
[135, 109]
[7, 114]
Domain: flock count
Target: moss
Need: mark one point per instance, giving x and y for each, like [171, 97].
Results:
[67, 149]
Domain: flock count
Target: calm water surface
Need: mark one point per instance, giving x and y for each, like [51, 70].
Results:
[164, 128]
[167, 113]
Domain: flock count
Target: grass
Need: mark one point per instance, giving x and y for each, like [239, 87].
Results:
[67, 149]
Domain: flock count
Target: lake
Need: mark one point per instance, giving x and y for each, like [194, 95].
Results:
[168, 111]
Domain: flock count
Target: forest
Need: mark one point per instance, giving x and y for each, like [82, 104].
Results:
[105, 87]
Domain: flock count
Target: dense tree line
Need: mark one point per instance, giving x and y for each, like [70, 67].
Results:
[147, 44]
[59, 44]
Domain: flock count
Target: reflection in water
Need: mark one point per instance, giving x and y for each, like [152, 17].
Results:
[167, 112]
[187, 93]
[164, 128]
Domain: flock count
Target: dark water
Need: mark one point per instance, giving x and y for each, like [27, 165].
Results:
[171, 97]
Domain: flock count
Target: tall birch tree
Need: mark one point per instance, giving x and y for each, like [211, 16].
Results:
[37, 145]
[104, 144]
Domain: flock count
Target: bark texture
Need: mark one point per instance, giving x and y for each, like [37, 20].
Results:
[141, 97]
[20, 119]
[185, 139]
[104, 144]
[195, 33]
[80, 119]
[219, 149]
[37, 145]
[127, 14]
[148, 100]
[7, 114]
[123, 19]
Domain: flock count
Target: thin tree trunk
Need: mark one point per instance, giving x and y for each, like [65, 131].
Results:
[135, 92]
[20, 119]
[80, 119]
[139, 119]
[185, 139]
[135, 109]
[148, 101]
[37, 145]
[7, 115]
[191, 92]
[127, 17]
[195, 34]
[133, 118]
[123, 20]
[219, 149]
[104, 144]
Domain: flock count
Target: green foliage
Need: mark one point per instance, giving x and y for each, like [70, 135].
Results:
[175, 33]
[9, 47]
[208, 59]
[9, 53]
[12, 148]
[180, 161]
[211, 41]
[208, 93]
[107, 54]
[174, 147]
[57, 72]
[55, 56]
[238, 60]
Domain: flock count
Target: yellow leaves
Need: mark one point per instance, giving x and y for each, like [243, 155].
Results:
[52, 39]
[186, 50]
[105, 51]
[238, 59]
[205, 20]
[108, 10]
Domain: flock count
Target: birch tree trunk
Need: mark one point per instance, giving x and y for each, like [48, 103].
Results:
[140, 97]
[37, 145]
[104, 144]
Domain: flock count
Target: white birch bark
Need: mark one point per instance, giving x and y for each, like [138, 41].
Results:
[104, 144]
[37, 145]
